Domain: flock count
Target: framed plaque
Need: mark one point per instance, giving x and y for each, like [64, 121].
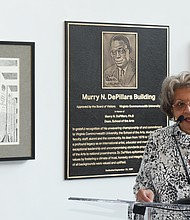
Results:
[113, 77]
[17, 110]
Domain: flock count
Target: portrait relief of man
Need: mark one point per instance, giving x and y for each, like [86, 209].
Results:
[119, 60]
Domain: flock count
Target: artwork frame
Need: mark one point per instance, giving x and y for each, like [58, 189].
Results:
[17, 104]
[107, 119]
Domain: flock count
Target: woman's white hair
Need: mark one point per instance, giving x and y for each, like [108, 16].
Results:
[169, 85]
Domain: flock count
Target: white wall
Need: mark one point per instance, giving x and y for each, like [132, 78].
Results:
[36, 190]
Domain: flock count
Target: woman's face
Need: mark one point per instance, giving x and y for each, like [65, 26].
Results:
[181, 106]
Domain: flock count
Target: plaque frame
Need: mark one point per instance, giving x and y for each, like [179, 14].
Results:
[89, 102]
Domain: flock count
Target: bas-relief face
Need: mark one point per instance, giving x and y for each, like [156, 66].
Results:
[120, 53]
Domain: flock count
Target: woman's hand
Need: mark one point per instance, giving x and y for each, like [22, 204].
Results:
[145, 195]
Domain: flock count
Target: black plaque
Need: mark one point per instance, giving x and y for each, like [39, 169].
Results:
[113, 77]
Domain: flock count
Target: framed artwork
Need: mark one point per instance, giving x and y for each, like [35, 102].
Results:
[113, 75]
[127, 78]
[17, 100]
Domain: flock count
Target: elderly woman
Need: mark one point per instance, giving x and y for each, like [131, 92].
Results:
[164, 175]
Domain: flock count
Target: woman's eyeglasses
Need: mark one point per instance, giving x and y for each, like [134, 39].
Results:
[180, 105]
